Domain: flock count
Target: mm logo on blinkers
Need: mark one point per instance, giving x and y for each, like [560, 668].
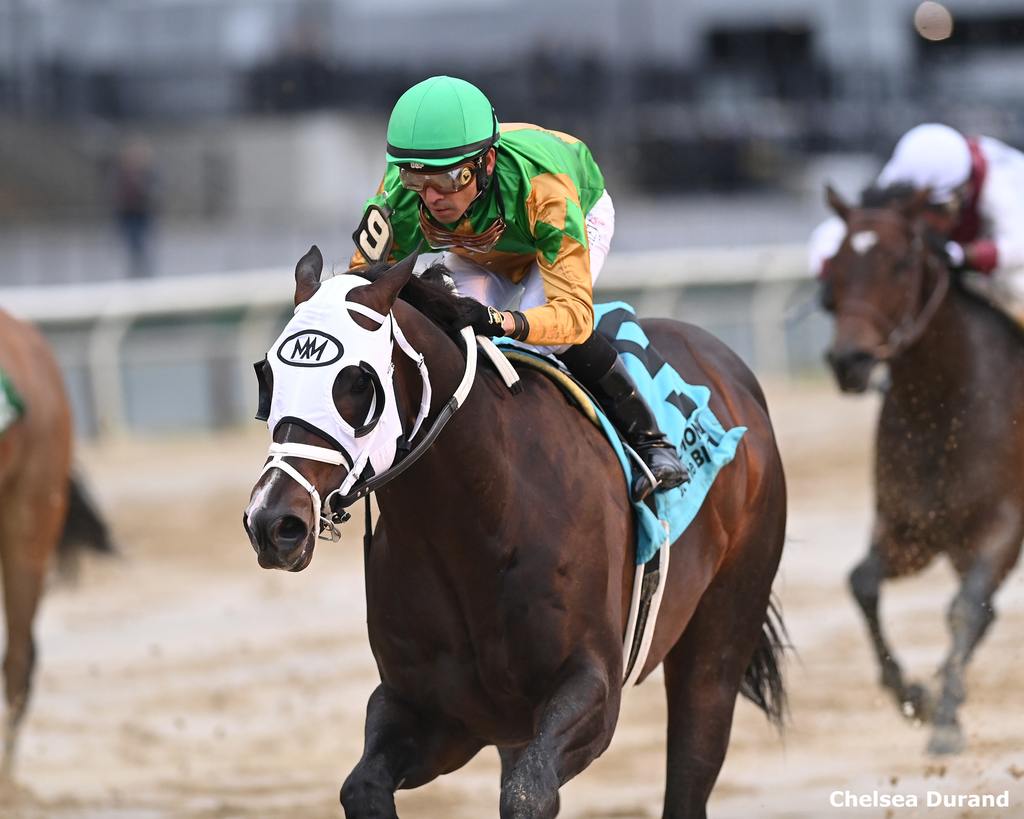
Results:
[310, 348]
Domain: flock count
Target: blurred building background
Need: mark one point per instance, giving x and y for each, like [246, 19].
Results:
[147, 139]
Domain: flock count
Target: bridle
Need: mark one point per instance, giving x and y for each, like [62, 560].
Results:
[330, 511]
[912, 326]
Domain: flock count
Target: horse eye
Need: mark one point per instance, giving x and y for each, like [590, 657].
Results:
[361, 384]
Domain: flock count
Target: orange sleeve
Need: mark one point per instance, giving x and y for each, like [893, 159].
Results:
[558, 225]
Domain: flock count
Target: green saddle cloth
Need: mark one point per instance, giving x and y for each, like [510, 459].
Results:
[11, 405]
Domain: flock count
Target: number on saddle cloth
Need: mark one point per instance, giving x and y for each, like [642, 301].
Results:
[615, 323]
[683, 414]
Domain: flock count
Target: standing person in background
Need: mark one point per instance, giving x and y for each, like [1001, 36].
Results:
[135, 203]
[976, 206]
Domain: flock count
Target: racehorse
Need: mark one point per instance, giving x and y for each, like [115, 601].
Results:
[949, 450]
[35, 464]
[498, 578]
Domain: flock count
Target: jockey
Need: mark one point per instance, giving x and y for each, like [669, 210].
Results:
[525, 222]
[977, 204]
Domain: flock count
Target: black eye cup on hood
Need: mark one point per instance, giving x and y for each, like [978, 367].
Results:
[265, 383]
[370, 383]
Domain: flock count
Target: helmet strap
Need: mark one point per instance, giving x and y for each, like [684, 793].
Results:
[483, 179]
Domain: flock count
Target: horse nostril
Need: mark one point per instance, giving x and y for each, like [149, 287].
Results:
[289, 529]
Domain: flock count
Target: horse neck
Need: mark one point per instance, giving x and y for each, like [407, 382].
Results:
[935, 367]
[446, 364]
[444, 360]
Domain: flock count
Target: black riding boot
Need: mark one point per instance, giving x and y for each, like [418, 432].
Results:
[596, 364]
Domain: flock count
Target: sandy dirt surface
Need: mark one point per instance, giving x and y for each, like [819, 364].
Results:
[181, 680]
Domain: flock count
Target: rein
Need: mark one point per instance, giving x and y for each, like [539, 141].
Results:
[908, 332]
[443, 417]
[333, 501]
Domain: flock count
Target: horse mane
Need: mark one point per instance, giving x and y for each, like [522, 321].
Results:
[432, 293]
[880, 196]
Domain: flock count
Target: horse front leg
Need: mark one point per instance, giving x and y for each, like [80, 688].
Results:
[575, 726]
[23, 586]
[403, 749]
[865, 584]
[970, 614]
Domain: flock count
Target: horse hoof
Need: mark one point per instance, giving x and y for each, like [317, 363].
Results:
[946, 740]
[365, 799]
[916, 703]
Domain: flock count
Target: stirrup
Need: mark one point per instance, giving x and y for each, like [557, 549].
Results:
[647, 483]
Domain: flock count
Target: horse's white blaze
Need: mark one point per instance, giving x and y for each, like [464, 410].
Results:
[863, 241]
[262, 494]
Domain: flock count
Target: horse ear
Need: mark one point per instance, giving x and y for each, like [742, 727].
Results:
[837, 203]
[307, 275]
[381, 295]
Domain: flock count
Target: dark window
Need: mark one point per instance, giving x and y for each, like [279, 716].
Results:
[776, 60]
[764, 45]
[988, 33]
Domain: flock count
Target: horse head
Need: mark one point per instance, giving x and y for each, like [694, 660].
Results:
[327, 392]
[883, 285]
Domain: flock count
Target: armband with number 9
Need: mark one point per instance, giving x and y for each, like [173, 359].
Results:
[373, 237]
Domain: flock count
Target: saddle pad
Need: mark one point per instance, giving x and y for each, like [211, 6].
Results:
[683, 414]
[11, 405]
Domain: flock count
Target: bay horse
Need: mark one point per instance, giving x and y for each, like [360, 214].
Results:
[499, 574]
[949, 451]
[35, 468]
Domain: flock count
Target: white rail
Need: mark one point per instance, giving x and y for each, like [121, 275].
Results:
[213, 292]
[657, 281]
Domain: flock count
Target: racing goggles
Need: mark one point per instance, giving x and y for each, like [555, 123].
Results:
[449, 180]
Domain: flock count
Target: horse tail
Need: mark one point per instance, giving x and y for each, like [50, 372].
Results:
[84, 527]
[762, 682]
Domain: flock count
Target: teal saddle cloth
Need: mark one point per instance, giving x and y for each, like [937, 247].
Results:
[686, 419]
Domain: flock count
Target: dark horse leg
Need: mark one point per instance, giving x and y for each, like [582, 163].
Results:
[403, 749]
[575, 726]
[706, 668]
[970, 614]
[24, 572]
[865, 583]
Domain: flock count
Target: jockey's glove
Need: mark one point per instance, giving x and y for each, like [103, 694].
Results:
[485, 321]
[956, 258]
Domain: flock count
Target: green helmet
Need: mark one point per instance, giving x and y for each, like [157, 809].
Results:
[440, 121]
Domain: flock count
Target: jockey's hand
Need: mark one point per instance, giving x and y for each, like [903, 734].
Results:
[956, 258]
[485, 321]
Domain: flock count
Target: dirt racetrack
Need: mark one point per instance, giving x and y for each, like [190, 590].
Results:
[181, 680]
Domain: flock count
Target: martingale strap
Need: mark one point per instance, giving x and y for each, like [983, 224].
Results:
[278, 453]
